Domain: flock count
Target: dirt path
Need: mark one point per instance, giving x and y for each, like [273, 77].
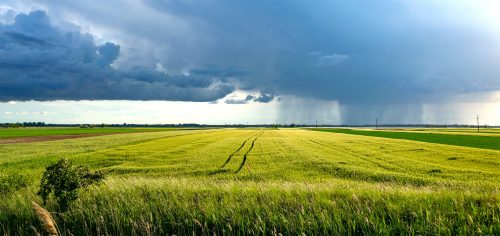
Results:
[49, 138]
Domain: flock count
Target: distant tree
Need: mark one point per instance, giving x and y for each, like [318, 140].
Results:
[15, 125]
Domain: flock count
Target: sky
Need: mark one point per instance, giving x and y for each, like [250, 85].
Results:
[250, 62]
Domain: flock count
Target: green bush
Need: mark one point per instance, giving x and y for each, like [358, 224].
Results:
[12, 182]
[64, 180]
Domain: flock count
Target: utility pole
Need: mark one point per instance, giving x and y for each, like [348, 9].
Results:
[316, 124]
[477, 119]
[376, 123]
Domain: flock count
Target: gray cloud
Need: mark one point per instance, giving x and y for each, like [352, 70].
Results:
[376, 57]
[107, 54]
[236, 101]
[262, 97]
[39, 61]
[362, 53]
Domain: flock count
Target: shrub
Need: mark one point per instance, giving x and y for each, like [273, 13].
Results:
[64, 180]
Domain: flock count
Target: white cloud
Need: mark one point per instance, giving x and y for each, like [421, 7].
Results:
[332, 60]
[22, 113]
[26, 113]
[43, 113]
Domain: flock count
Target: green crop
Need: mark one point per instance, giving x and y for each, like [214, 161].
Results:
[31, 132]
[262, 181]
[487, 139]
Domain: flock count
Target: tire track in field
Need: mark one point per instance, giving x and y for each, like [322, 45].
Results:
[234, 153]
[249, 150]
[367, 175]
[147, 140]
[385, 166]
[388, 166]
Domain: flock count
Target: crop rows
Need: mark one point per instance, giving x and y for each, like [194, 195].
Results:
[298, 181]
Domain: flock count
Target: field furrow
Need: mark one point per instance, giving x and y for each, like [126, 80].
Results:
[298, 181]
[235, 152]
[246, 153]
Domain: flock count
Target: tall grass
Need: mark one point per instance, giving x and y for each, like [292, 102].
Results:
[142, 206]
[46, 219]
[316, 183]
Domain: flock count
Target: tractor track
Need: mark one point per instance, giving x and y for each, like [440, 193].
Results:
[249, 150]
[364, 158]
[234, 153]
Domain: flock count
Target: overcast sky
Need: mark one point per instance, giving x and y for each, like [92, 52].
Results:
[261, 61]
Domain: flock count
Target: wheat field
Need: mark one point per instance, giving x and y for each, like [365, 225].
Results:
[261, 181]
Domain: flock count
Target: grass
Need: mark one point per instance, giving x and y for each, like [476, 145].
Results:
[31, 132]
[440, 136]
[473, 131]
[244, 181]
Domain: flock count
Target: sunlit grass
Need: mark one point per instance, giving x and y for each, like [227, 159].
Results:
[46, 131]
[292, 181]
[460, 137]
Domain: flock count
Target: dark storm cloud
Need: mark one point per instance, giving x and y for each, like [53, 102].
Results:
[359, 53]
[217, 72]
[41, 62]
[107, 54]
[262, 97]
[355, 52]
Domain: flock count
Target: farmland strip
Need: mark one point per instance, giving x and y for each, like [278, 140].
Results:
[484, 142]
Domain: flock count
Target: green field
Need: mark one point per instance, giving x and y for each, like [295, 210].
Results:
[263, 181]
[31, 132]
[473, 131]
[488, 139]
